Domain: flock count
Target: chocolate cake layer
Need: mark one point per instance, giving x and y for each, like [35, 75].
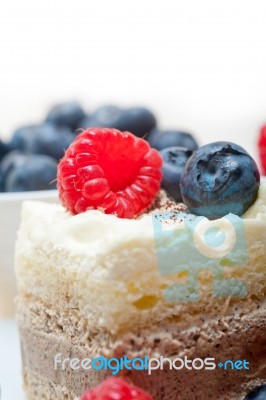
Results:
[237, 337]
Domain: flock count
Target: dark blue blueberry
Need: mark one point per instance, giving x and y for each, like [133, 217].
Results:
[138, 120]
[174, 161]
[68, 114]
[161, 139]
[88, 122]
[21, 136]
[12, 160]
[85, 122]
[258, 393]
[4, 149]
[1, 183]
[42, 139]
[50, 140]
[218, 179]
[106, 117]
[31, 172]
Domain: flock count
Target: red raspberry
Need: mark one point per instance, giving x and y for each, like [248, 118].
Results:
[115, 389]
[112, 171]
[262, 148]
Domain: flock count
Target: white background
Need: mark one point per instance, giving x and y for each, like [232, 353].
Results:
[201, 65]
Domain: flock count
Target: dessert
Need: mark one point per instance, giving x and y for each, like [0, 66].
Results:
[90, 286]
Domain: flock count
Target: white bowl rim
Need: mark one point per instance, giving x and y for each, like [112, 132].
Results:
[36, 194]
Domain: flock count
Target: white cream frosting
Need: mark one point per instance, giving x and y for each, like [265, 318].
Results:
[106, 267]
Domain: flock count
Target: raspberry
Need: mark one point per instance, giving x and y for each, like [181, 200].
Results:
[262, 148]
[115, 389]
[112, 171]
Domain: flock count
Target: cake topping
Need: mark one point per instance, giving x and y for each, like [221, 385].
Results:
[219, 178]
[116, 389]
[112, 171]
[163, 202]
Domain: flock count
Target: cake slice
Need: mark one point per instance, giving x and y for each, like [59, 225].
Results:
[90, 287]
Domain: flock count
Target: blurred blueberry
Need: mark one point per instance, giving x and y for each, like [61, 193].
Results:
[174, 161]
[161, 139]
[4, 149]
[258, 393]
[21, 136]
[138, 120]
[42, 139]
[88, 122]
[220, 178]
[1, 183]
[68, 114]
[36, 172]
[50, 140]
[106, 117]
[14, 159]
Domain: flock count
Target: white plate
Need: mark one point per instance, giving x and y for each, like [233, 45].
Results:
[10, 362]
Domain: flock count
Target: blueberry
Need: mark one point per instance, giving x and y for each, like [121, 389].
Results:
[258, 393]
[4, 149]
[174, 161]
[88, 122]
[12, 160]
[138, 120]
[220, 178]
[1, 183]
[20, 137]
[106, 117]
[68, 114]
[42, 139]
[161, 139]
[31, 172]
[50, 140]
